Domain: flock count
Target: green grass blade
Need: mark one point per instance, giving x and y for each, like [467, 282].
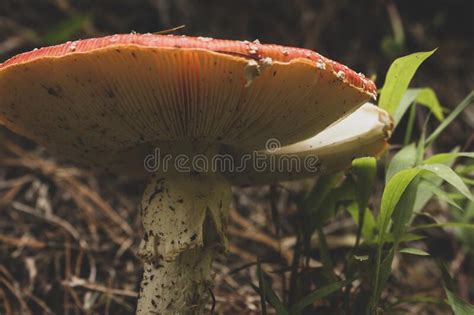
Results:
[275, 301]
[324, 250]
[455, 113]
[446, 157]
[321, 190]
[391, 198]
[364, 170]
[420, 147]
[267, 294]
[272, 298]
[413, 251]
[404, 210]
[463, 225]
[424, 193]
[410, 126]
[458, 305]
[423, 96]
[407, 99]
[433, 189]
[427, 97]
[398, 78]
[368, 224]
[392, 194]
[382, 274]
[446, 173]
[317, 295]
[404, 159]
[406, 237]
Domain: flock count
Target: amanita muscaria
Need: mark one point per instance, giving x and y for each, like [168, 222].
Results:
[108, 102]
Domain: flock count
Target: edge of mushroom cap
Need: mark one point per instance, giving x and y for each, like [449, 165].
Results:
[383, 124]
[264, 53]
[371, 140]
[378, 126]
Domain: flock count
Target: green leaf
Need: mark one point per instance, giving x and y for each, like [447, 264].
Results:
[324, 250]
[410, 126]
[446, 173]
[446, 157]
[425, 193]
[432, 188]
[414, 251]
[406, 237]
[465, 169]
[267, 294]
[392, 194]
[420, 147]
[445, 276]
[458, 305]
[468, 181]
[427, 97]
[401, 217]
[321, 189]
[404, 210]
[423, 96]
[455, 113]
[275, 301]
[320, 203]
[368, 225]
[317, 295]
[364, 170]
[394, 199]
[404, 159]
[398, 78]
[343, 193]
[382, 275]
[463, 225]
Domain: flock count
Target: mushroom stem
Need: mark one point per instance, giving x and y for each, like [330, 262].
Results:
[184, 216]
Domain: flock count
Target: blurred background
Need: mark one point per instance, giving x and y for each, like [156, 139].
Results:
[48, 210]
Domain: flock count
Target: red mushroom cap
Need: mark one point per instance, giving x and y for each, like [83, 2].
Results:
[246, 49]
[93, 100]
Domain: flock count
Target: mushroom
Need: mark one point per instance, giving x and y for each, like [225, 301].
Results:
[108, 102]
[331, 150]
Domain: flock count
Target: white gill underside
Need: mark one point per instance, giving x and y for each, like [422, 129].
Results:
[367, 122]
